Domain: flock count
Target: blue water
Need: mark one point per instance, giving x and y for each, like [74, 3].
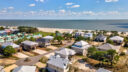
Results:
[115, 25]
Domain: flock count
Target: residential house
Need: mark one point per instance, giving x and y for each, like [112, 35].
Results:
[81, 47]
[29, 45]
[88, 35]
[15, 46]
[57, 64]
[2, 69]
[100, 38]
[49, 37]
[103, 70]
[117, 39]
[26, 69]
[79, 33]
[65, 52]
[43, 42]
[108, 46]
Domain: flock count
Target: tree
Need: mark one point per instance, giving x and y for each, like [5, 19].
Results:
[79, 38]
[91, 50]
[110, 42]
[67, 36]
[8, 51]
[32, 39]
[19, 41]
[59, 39]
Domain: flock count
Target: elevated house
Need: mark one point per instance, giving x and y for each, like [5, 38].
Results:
[29, 45]
[65, 52]
[100, 38]
[43, 42]
[15, 46]
[117, 39]
[103, 70]
[88, 35]
[108, 46]
[57, 64]
[26, 69]
[81, 47]
[2, 69]
[79, 33]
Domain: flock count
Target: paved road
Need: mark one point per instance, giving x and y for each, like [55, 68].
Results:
[35, 59]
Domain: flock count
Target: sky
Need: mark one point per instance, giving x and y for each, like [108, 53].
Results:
[63, 9]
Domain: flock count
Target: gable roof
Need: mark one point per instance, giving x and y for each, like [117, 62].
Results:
[103, 70]
[101, 37]
[49, 37]
[65, 51]
[25, 69]
[118, 38]
[81, 43]
[10, 44]
[30, 43]
[58, 62]
[108, 46]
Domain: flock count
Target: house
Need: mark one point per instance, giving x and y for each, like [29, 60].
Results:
[65, 52]
[103, 70]
[43, 42]
[117, 39]
[57, 64]
[108, 46]
[26, 69]
[79, 33]
[49, 37]
[100, 38]
[15, 46]
[2, 69]
[88, 35]
[81, 47]
[29, 45]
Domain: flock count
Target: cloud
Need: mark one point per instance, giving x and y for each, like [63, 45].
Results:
[10, 7]
[62, 11]
[111, 0]
[32, 5]
[69, 3]
[75, 6]
[39, 0]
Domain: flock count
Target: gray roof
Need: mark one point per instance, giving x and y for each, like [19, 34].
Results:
[58, 62]
[108, 46]
[100, 37]
[10, 44]
[25, 69]
[65, 51]
[43, 40]
[30, 43]
[103, 70]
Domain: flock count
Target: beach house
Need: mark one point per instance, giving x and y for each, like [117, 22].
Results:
[57, 64]
[88, 35]
[26, 69]
[15, 46]
[81, 47]
[103, 70]
[44, 42]
[29, 45]
[108, 46]
[65, 52]
[117, 39]
[100, 38]
[79, 33]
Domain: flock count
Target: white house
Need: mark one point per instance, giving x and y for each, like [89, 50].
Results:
[108, 46]
[103, 70]
[57, 64]
[81, 47]
[88, 35]
[25, 69]
[49, 37]
[65, 52]
[117, 39]
[79, 33]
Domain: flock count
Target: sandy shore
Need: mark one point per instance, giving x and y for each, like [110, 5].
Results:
[55, 29]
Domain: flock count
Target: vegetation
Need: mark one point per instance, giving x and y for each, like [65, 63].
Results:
[32, 39]
[1, 28]
[67, 36]
[45, 33]
[44, 59]
[79, 38]
[8, 51]
[27, 29]
[110, 41]
[59, 39]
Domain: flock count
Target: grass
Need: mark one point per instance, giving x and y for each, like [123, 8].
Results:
[45, 33]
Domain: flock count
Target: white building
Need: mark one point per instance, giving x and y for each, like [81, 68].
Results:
[81, 47]
[117, 39]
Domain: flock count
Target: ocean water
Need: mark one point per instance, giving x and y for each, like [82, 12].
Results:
[111, 25]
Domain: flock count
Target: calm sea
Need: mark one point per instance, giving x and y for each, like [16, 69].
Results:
[116, 25]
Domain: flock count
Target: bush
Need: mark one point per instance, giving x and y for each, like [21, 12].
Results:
[27, 29]
[44, 59]
[122, 54]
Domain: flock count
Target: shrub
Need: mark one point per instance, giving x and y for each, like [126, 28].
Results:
[44, 59]
[8, 51]
[122, 54]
